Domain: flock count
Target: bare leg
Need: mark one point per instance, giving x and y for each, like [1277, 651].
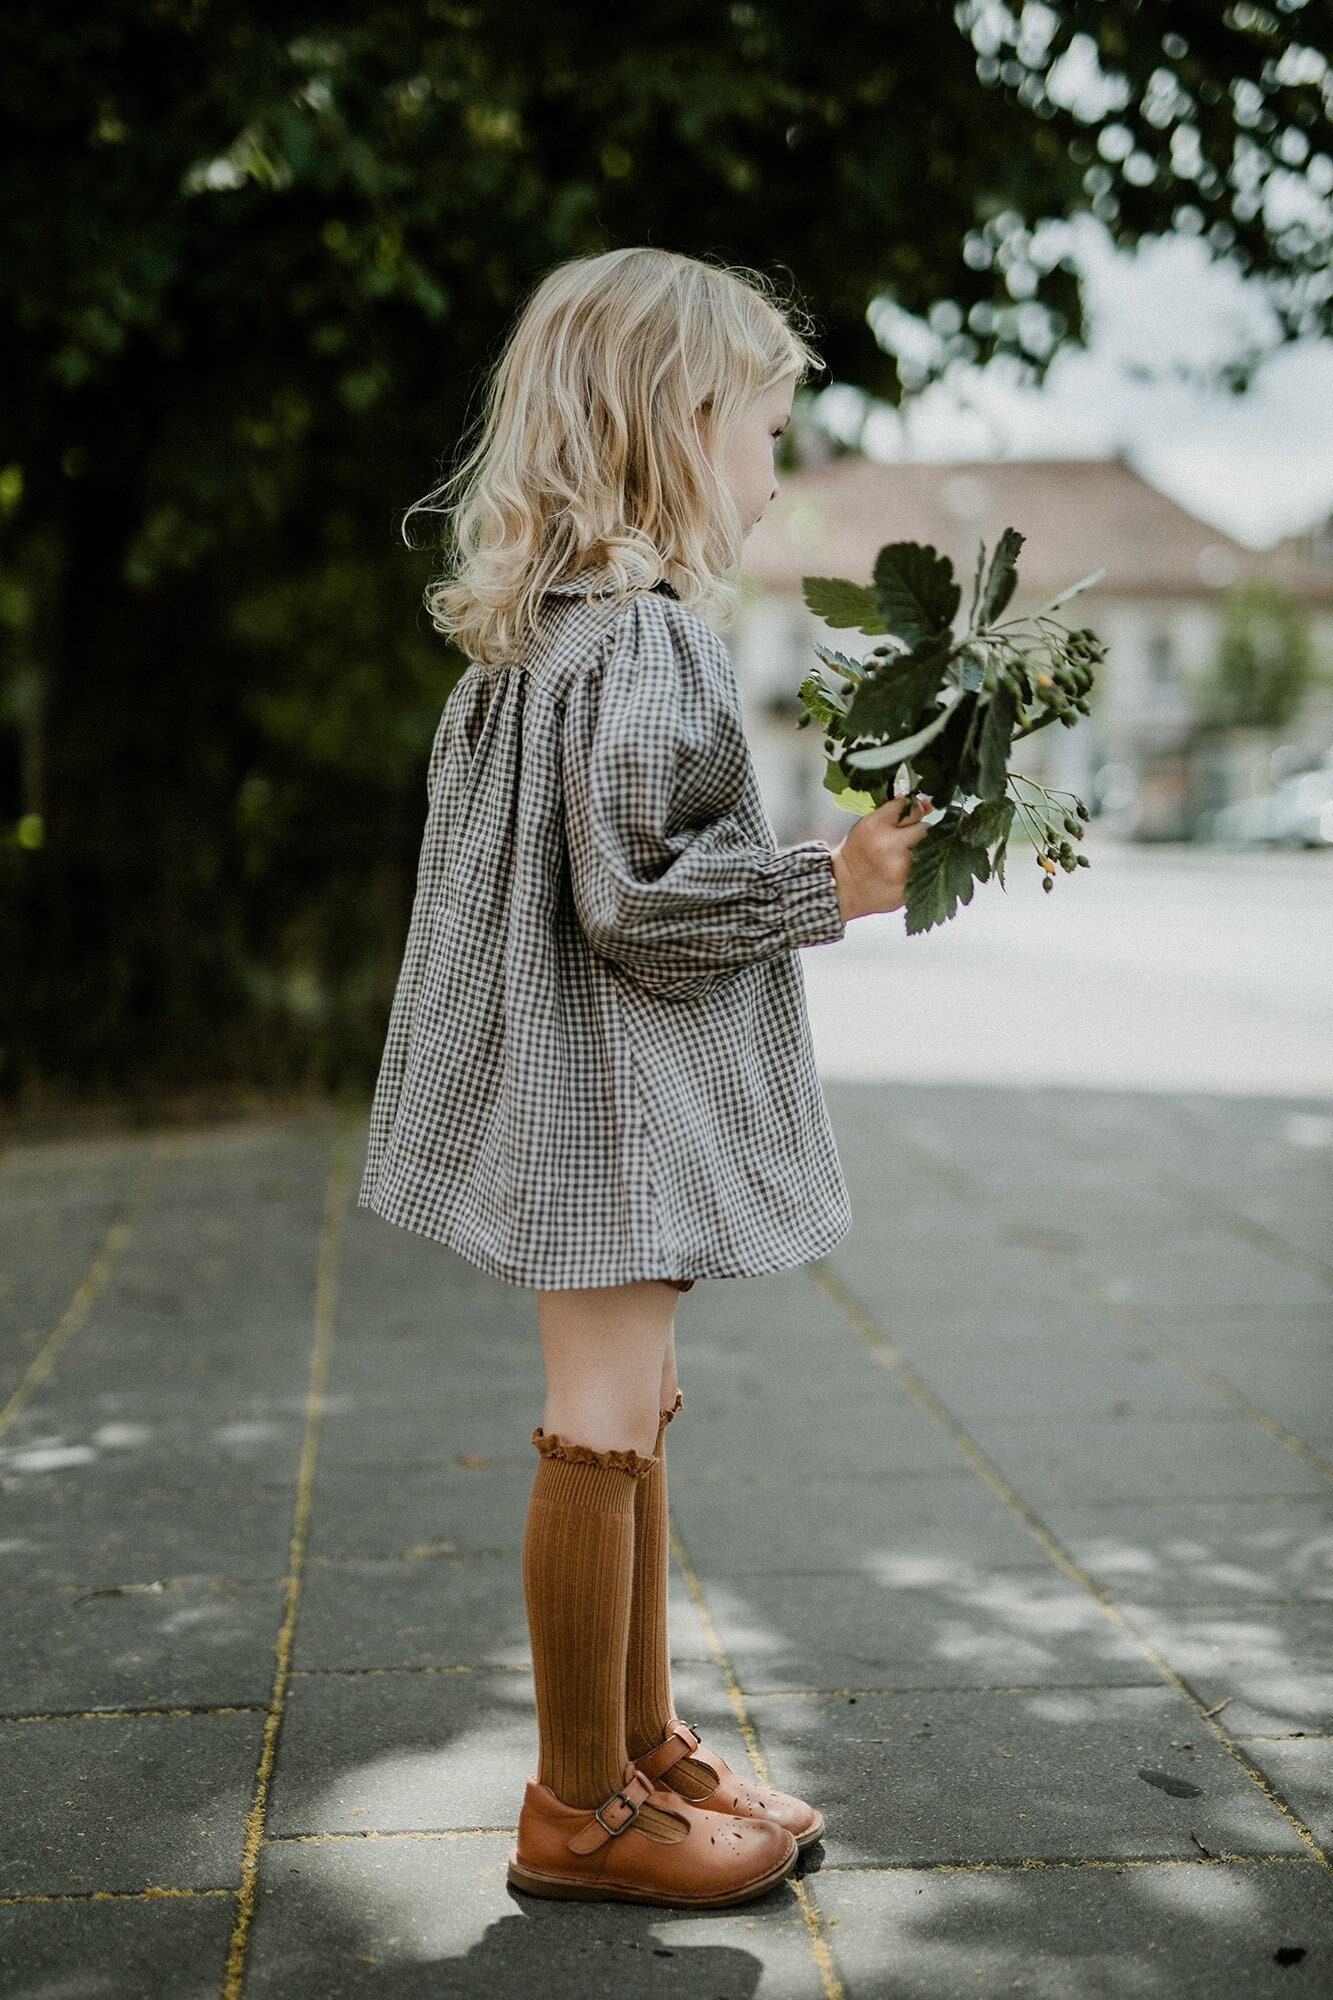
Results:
[610, 1358]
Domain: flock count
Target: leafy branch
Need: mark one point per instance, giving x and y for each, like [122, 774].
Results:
[937, 711]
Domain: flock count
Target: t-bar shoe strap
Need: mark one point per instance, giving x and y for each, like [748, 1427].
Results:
[613, 1815]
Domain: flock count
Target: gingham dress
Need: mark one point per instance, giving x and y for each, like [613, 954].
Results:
[598, 1065]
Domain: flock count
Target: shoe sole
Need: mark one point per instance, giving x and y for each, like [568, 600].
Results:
[563, 1889]
[804, 1840]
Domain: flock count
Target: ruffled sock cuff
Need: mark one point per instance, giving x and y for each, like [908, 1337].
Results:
[552, 1445]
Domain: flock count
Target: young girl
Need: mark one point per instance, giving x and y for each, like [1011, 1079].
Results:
[598, 1080]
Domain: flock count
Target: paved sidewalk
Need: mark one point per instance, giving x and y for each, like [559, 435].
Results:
[1004, 1532]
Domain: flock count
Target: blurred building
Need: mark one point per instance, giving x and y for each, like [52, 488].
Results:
[1159, 609]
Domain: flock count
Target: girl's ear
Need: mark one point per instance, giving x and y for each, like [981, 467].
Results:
[701, 429]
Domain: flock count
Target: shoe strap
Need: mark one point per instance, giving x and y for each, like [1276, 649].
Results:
[679, 1741]
[613, 1815]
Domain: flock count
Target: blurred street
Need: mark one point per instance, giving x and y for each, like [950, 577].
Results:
[1005, 1532]
[1156, 968]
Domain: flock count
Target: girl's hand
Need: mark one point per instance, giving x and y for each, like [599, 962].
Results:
[870, 864]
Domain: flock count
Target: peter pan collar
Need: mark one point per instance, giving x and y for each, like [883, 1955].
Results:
[578, 586]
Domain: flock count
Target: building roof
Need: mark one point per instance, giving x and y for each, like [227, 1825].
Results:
[1077, 515]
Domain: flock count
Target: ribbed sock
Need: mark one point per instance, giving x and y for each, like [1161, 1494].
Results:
[648, 1707]
[578, 1567]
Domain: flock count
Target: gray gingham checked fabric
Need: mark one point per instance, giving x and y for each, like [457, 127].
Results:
[598, 1065]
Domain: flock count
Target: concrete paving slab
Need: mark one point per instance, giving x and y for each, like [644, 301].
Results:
[57, 1202]
[733, 1528]
[1301, 1772]
[422, 1611]
[420, 1918]
[1044, 1774]
[1150, 1458]
[437, 1610]
[382, 1510]
[1192, 1552]
[254, 1441]
[795, 1434]
[150, 1948]
[1271, 1664]
[919, 1624]
[368, 1429]
[1069, 1378]
[432, 1752]
[1159, 1931]
[128, 1535]
[125, 1803]
[199, 1645]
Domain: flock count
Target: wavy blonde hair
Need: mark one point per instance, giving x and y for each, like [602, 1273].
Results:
[588, 453]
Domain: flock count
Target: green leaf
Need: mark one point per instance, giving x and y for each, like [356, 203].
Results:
[845, 794]
[942, 874]
[820, 701]
[989, 821]
[851, 670]
[885, 754]
[856, 802]
[915, 591]
[1002, 577]
[997, 731]
[843, 604]
[1063, 596]
[895, 693]
[945, 768]
[976, 587]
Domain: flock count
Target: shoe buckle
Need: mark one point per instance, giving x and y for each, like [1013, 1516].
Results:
[631, 1813]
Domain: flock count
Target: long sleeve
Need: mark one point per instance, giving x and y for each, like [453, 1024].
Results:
[654, 762]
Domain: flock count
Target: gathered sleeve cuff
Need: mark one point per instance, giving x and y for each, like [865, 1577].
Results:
[654, 763]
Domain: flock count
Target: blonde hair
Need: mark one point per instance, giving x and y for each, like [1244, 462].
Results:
[588, 452]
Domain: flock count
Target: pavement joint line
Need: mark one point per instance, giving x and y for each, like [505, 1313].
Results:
[882, 1349]
[326, 1274]
[1069, 1862]
[816, 1927]
[362, 1673]
[948, 1687]
[113, 1243]
[408, 1555]
[132, 1589]
[393, 1833]
[135, 1714]
[151, 1895]
[1064, 1260]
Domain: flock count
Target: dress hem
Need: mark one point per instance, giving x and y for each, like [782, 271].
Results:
[495, 1267]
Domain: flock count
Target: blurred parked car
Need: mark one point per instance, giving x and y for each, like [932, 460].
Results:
[1296, 813]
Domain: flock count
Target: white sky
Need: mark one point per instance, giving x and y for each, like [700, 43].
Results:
[1258, 466]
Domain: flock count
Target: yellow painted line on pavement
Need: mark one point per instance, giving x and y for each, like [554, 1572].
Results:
[326, 1288]
[883, 1350]
[109, 1895]
[75, 1313]
[821, 1949]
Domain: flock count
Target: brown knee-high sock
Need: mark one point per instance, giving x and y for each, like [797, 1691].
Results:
[648, 1707]
[578, 1564]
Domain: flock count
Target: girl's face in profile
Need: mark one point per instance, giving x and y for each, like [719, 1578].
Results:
[748, 463]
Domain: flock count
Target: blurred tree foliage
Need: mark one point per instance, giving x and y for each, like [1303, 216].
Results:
[254, 262]
[1265, 663]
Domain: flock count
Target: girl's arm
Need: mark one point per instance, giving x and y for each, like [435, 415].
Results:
[655, 761]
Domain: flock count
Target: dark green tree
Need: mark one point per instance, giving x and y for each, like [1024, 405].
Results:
[254, 261]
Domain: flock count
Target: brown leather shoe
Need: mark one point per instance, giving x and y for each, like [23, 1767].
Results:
[645, 1845]
[702, 1777]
